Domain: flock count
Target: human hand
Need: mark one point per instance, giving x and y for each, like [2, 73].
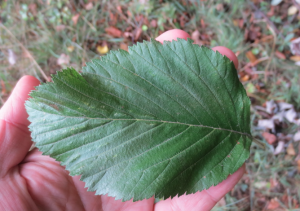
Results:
[31, 181]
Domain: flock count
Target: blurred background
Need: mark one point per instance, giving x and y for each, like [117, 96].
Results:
[40, 37]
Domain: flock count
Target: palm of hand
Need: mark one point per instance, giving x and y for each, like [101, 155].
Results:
[31, 181]
[39, 183]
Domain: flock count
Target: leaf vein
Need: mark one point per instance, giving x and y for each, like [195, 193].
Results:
[173, 80]
[151, 84]
[214, 167]
[62, 128]
[165, 141]
[134, 91]
[225, 87]
[97, 140]
[77, 133]
[157, 176]
[213, 94]
[94, 98]
[119, 146]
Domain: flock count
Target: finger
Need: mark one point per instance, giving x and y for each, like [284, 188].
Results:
[204, 200]
[13, 110]
[172, 35]
[90, 200]
[177, 33]
[228, 53]
[15, 139]
[109, 203]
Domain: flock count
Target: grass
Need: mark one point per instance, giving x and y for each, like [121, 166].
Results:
[39, 32]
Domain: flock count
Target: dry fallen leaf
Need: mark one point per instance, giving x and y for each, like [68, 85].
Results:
[273, 183]
[245, 78]
[295, 46]
[279, 148]
[196, 37]
[138, 33]
[251, 56]
[102, 49]
[89, 6]
[119, 8]
[12, 58]
[235, 22]
[113, 19]
[266, 123]
[113, 31]
[219, 7]
[203, 24]
[295, 58]
[286, 111]
[143, 1]
[297, 136]
[32, 8]
[270, 106]
[63, 59]
[292, 10]
[127, 34]
[124, 46]
[270, 138]
[284, 106]
[153, 23]
[70, 48]
[273, 204]
[271, 11]
[60, 28]
[291, 115]
[75, 19]
[280, 55]
[260, 184]
[290, 150]
[275, 2]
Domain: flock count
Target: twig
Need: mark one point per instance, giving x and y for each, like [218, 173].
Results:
[255, 63]
[27, 52]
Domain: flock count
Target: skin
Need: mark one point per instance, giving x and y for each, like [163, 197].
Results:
[31, 181]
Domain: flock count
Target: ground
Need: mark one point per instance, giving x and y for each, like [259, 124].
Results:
[40, 37]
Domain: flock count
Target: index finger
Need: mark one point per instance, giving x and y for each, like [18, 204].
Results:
[15, 139]
[13, 111]
[174, 34]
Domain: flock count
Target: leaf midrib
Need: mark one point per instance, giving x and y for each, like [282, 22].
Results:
[161, 121]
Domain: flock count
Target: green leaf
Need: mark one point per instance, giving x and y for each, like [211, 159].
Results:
[160, 120]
